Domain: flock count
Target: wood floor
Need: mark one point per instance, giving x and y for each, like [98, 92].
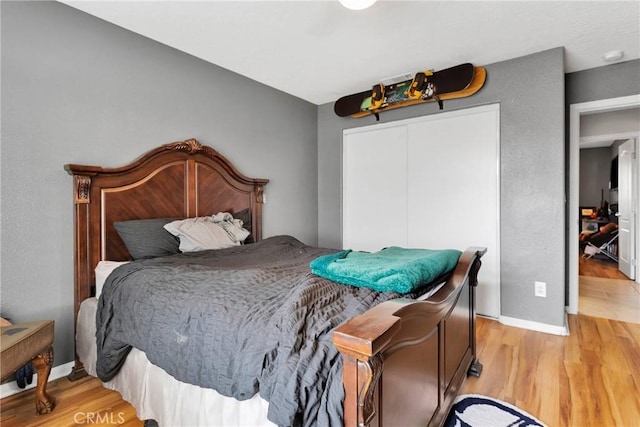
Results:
[597, 267]
[589, 378]
[606, 292]
[83, 402]
[609, 298]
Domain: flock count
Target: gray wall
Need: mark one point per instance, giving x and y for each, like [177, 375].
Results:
[610, 81]
[530, 91]
[76, 89]
[609, 122]
[595, 168]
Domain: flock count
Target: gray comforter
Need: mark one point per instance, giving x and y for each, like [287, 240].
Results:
[244, 320]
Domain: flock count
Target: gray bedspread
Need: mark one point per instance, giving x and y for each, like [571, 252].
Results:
[242, 320]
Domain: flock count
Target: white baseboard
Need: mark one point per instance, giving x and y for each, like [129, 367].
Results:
[535, 326]
[11, 388]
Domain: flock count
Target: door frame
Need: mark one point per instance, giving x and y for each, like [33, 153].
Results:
[575, 111]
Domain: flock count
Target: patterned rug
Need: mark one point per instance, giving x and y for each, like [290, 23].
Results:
[474, 410]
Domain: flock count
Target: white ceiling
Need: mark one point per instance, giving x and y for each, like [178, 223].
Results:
[320, 51]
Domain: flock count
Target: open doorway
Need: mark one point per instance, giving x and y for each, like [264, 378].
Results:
[605, 268]
[598, 196]
[590, 283]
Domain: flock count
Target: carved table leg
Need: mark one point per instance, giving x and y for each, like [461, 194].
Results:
[42, 363]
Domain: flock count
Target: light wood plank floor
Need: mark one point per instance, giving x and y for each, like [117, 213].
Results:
[609, 298]
[590, 378]
[83, 402]
[596, 267]
[606, 292]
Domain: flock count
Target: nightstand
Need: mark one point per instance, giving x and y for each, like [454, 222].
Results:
[29, 342]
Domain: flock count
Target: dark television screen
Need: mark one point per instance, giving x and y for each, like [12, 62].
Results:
[614, 173]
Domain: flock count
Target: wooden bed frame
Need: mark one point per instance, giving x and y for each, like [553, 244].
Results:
[404, 360]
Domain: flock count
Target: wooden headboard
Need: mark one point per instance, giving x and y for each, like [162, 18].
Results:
[177, 180]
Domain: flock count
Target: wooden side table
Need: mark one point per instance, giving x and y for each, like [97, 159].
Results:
[29, 342]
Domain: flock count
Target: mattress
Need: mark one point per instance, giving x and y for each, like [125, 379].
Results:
[157, 395]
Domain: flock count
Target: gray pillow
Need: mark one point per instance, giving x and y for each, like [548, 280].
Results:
[146, 238]
[245, 216]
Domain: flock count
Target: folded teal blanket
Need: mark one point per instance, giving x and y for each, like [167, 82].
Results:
[391, 269]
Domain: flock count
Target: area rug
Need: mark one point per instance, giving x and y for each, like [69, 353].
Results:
[474, 410]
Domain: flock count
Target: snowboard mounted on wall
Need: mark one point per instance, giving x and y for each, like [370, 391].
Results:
[429, 86]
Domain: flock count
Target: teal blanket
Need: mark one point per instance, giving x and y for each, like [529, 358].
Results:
[391, 269]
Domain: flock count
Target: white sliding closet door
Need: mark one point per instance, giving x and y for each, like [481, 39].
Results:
[430, 182]
[377, 194]
[453, 195]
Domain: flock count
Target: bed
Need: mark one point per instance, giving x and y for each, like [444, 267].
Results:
[402, 361]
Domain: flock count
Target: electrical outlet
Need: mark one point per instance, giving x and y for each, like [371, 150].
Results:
[540, 289]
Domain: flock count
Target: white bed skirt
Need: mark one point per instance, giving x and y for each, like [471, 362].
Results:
[157, 395]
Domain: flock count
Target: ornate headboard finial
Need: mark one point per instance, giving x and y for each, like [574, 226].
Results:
[192, 146]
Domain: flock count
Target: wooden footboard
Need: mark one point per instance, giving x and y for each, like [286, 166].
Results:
[405, 360]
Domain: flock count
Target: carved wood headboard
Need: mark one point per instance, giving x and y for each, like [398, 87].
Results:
[177, 180]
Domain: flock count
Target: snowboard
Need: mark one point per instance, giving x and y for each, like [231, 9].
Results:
[456, 82]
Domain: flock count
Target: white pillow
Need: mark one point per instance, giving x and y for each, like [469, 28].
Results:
[208, 232]
[103, 270]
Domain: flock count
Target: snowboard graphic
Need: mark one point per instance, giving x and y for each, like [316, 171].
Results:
[456, 82]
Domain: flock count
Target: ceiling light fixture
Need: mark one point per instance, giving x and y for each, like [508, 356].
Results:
[613, 56]
[357, 4]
